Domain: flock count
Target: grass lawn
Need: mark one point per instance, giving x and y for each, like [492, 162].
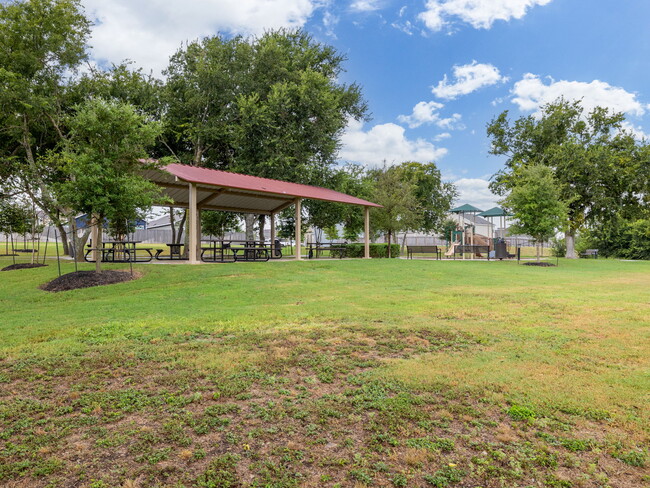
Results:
[329, 373]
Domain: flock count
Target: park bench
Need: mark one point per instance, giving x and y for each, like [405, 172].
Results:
[478, 251]
[335, 250]
[590, 252]
[410, 250]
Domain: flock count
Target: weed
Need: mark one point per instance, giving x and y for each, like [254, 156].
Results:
[444, 477]
[220, 473]
[518, 412]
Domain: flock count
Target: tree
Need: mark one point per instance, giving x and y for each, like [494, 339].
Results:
[447, 229]
[433, 195]
[271, 106]
[592, 158]
[400, 207]
[15, 218]
[41, 43]
[536, 205]
[103, 157]
[217, 223]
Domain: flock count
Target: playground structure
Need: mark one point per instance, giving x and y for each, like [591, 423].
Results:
[465, 241]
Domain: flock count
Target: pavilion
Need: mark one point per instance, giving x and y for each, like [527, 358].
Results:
[199, 189]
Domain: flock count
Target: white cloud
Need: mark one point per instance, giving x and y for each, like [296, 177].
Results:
[480, 14]
[149, 31]
[637, 131]
[365, 5]
[330, 21]
[530, 93]
[385, 142]
[467, 79]
[475, 191]
[442, 137]
[427, 113]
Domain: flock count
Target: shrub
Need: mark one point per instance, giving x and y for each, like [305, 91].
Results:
[376, 250]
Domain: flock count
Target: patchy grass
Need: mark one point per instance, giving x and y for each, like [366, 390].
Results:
[342, 373]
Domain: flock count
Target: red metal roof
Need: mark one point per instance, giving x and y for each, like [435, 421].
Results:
[225, 179]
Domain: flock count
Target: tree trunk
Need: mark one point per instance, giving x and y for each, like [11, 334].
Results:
[537, 249]
[64, 238]
[172, 224]
[181, 227]
[77, 244]
[570, 240]
[404, 242]
[249, 219]
[262, 221]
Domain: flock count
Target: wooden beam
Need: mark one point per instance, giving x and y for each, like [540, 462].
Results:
[272, 233]
[210, 198]
[270, 196]
[298, 203]
[283, 206]
[237, 209]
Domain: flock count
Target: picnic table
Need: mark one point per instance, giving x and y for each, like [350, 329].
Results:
[217, 250]
[240, 250]
[120, 252]
[175, 252]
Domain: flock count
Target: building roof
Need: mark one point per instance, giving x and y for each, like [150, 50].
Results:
[467, 208]
[223, 190]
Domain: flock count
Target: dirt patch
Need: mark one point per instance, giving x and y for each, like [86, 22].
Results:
[23, 266]
[542, 264]
[87, 279]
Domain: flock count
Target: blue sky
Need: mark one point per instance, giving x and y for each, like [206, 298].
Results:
[434, 72]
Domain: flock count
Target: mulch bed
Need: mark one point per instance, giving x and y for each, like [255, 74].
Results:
[542, 264]
[22, 266]
[86, 279]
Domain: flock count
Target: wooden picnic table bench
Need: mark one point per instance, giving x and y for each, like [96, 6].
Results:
[410, 250]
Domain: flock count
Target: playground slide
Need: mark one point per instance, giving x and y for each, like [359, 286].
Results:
[452, 248]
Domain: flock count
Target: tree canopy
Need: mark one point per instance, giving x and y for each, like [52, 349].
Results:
[534, 202]
[593, 158]
[102, 157]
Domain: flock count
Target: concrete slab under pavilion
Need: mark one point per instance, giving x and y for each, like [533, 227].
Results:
[199, 189]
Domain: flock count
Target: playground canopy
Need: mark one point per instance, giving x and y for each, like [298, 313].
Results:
[467, 208]
[199, 189]
[494, 212]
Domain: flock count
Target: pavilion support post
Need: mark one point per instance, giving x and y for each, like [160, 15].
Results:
[298, 202]
[193, 216]
[366, 232]
[272, 231]
[198, 234]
